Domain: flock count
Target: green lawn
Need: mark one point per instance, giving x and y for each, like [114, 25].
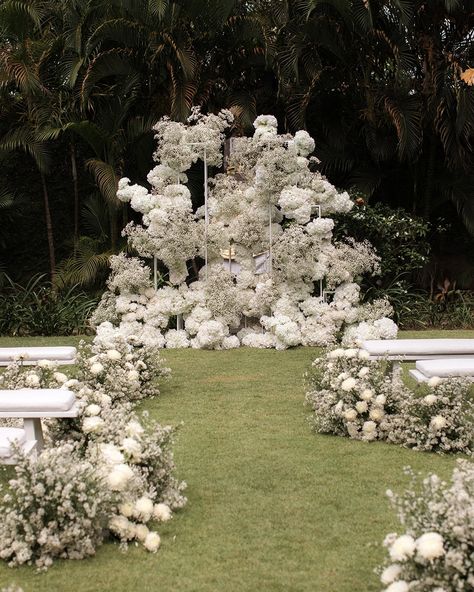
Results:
[272, 506]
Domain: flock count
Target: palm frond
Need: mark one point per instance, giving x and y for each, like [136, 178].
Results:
[406, 116]
[106, 179]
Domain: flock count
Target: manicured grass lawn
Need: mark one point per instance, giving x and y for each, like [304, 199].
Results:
[272, 506]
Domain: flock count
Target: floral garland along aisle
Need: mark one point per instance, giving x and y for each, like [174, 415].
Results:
[107, 474]
[265, 236]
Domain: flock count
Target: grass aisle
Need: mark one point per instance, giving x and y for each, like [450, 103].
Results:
[272, 506]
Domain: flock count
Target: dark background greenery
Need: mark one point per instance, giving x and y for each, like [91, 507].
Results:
[376, 82]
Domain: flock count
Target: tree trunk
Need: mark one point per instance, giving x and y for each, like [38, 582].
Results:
[49, 229]
[76, 194]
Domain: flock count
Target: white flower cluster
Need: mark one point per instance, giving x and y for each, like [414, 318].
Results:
[55, 507]
[352, 395]
[436, 551]
[438, 417]
[267, 237]
[108, 470]
[115, 368]
[365, 399]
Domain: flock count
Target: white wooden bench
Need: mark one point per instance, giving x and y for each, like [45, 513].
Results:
[32, 355]
[444, 369]
[32, 405]
[418, 349]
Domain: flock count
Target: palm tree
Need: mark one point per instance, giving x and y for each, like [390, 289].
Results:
[378, 81]
[24, 52]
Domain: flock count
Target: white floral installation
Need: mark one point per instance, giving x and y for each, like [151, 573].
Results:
[352, 395]
[272, 275]
[108, 472]
[435, 553]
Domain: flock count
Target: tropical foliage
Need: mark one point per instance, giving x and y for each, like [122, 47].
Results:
[385, 87]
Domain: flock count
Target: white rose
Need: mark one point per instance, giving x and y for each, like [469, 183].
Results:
[32, 380]
[96, 368]
[380, 399]
[119, 477]
[350, 353]
[400, 586]
[361, 406]
[364, 354]
[141, 532]
[430, 546]
[390, 574]
[152, 542]
[113, 354]
[60, 377]
[363, 372]
[143, 508]
[91, 425]
[438, 422]
[111, 454]
[126, 509]
[402, 548]
[162, 512]
[350, 414]
[367, 394]
[348, 384]
[120, 525]
[134, 429]
[376, 414]
[369, 427]
[92, 410]
[430, 399]
[132, 447]
[71, 382]
[434, 381]
[45, 363]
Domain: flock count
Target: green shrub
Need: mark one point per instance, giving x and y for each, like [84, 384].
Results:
[400, 239]
[40, 309]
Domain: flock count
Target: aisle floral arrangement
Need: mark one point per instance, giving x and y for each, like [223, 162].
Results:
[365, 399]
[436, 550]
[108, 472]
[275, 276]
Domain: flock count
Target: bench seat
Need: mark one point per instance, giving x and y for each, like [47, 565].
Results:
[33, 404]
[32, 355]
[419, 349]
[444, 368]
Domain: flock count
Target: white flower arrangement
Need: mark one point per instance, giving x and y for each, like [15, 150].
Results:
[365, 399]
[122, 371]
[60, 483]
[106, 472]
[352, 396]
[436, 551]
[439, 417]
[269, 240]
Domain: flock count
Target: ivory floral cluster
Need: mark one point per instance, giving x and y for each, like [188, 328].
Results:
[365, 399]
[436, 548]
[107, 472]
[275, 277]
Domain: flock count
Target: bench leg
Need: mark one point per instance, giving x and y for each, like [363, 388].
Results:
[34, 431]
